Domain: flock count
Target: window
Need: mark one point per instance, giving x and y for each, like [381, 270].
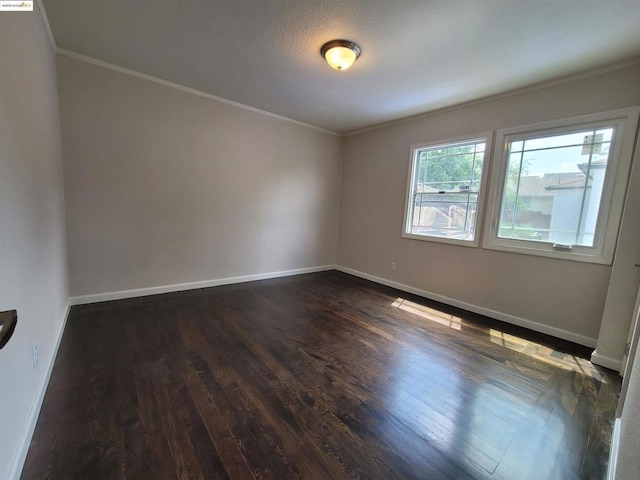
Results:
[555, 193]
[445, 194]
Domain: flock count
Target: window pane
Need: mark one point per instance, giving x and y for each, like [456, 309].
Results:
[553, 187]
[448, 216]
[554, 141]
[607, 134]
[517, 146]
[445, 190]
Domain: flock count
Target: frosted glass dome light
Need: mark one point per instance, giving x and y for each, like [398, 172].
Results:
[340, 54]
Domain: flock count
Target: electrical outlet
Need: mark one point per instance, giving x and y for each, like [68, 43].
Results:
[35, 355]
[393, 266]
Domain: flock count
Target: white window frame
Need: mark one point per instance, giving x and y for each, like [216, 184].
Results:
[487, 137]
[625, 122]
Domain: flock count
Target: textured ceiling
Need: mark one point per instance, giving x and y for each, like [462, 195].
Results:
[417, 55]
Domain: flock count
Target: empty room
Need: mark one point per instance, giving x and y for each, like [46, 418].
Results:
[363, 239]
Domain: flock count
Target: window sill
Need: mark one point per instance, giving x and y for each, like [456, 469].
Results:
[449, 241]
[547, 251]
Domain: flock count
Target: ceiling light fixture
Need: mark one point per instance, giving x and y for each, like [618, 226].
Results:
[340, 54]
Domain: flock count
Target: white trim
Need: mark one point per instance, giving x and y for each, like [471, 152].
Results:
[193, 91]
[448, 241]
[605, 361]
[613, 451]
[178, 287]
[505, 317]
[625, 122]
[406, 227]
[47, 26]
[20, 455]
[498, 96]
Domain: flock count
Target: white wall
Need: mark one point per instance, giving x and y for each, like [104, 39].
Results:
[165, 187]
[33, 276]
[564, 296]
[628, 461]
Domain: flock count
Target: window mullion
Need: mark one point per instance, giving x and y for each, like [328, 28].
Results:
[473, 171]
[586, 185]
[416, 193]
[515, 199]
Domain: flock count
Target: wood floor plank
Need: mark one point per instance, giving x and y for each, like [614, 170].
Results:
[341, 450]
[439, 397]
[266, 435]
[286, 424]
[355, 389]
[320, 376]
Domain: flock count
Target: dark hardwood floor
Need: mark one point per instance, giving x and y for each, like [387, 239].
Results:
[320, 376]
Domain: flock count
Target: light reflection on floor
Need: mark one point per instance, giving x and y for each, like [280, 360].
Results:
[431, 409]
[478, 425]
[462, 423]
[542, 353]
[512, 342]
[428, 313]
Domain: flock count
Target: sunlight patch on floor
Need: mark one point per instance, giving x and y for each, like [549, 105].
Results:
[498, 337]
[428, 313]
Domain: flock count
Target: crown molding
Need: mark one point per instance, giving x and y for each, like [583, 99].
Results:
[47, 26]
[511, 93]
[193, 91]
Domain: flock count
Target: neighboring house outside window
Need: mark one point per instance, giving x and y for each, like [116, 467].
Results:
[553, 186]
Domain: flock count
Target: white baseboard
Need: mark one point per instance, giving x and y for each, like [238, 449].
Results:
[605, 361]
[505, 317]
[613, 452]
[25, 441]
[177, 287]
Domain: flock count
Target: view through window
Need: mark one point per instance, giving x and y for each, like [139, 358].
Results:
[445, 187]
[553, 186]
